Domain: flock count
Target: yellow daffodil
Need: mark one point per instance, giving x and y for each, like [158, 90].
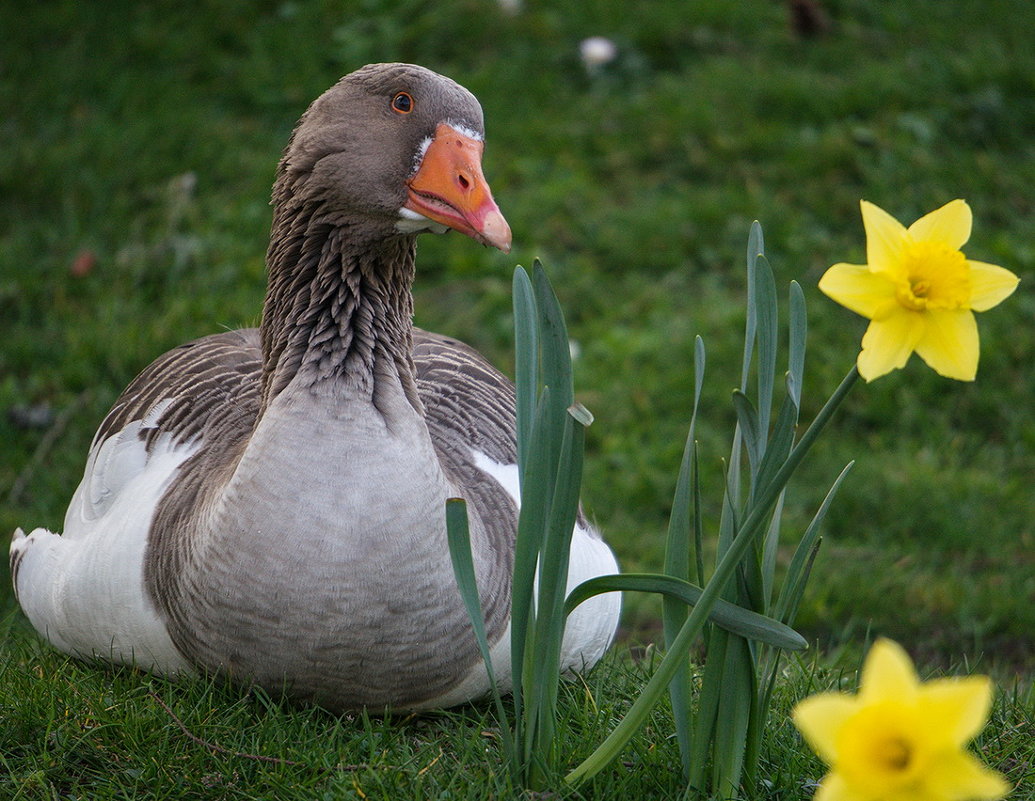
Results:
[898, 739]
[919, 292]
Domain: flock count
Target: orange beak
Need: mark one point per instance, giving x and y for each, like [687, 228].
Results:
[450, 189]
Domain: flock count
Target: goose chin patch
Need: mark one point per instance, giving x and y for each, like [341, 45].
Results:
[413, 222]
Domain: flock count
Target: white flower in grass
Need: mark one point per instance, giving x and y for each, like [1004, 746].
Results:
[596, 51]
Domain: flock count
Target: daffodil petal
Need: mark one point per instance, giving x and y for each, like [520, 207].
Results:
[990, 285]
[856, 288]
[957, 708]
[888, 343]
[961, 775]
[835, 788]
[950, 343]
[898, 739]
[888, 674]
[820, 718]
[886, 238]
[949, 225]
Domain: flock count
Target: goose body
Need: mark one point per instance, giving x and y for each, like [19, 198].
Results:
[268, 504]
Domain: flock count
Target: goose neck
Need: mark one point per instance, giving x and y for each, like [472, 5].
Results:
[338, 311]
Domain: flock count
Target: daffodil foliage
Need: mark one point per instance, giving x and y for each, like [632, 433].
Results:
[899, 739]
[919, 291]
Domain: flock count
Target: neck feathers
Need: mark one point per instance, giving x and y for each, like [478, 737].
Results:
[338, 309]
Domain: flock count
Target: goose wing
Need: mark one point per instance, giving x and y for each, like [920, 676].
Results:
[202, 392]
[85, 589]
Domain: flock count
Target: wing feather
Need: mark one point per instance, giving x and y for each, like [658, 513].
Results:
[201, 390]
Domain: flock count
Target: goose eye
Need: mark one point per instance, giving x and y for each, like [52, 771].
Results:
[402, 102]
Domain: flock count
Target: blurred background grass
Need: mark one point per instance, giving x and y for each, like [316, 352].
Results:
[138, 143]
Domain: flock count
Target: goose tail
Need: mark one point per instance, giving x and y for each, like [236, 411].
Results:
[36, 560]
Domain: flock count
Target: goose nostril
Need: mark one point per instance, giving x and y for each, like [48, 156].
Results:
[464, 181]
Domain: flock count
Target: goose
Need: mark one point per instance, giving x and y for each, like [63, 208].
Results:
[268, 504]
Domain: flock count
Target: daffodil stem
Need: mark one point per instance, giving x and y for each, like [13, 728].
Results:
[637, 715]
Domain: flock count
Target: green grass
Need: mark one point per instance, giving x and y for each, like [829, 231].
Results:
[75, 731]
[636, 188]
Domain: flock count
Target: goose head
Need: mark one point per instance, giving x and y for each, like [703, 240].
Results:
[394, 149]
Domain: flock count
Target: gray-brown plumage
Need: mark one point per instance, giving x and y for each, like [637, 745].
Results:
[269, 504]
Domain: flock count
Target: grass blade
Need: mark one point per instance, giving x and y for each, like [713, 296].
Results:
[798, 328]
[698, 521]
[526, 360]
[768, 339]
[530, 533]
[685, 509]
[459, 538]
[736, 700]
[555, 350]
[708, 710]
[770, 547]
[756, 243]
[731, 617]
[553, 577]
[750, 426]
[756, 248]
[780, 444]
